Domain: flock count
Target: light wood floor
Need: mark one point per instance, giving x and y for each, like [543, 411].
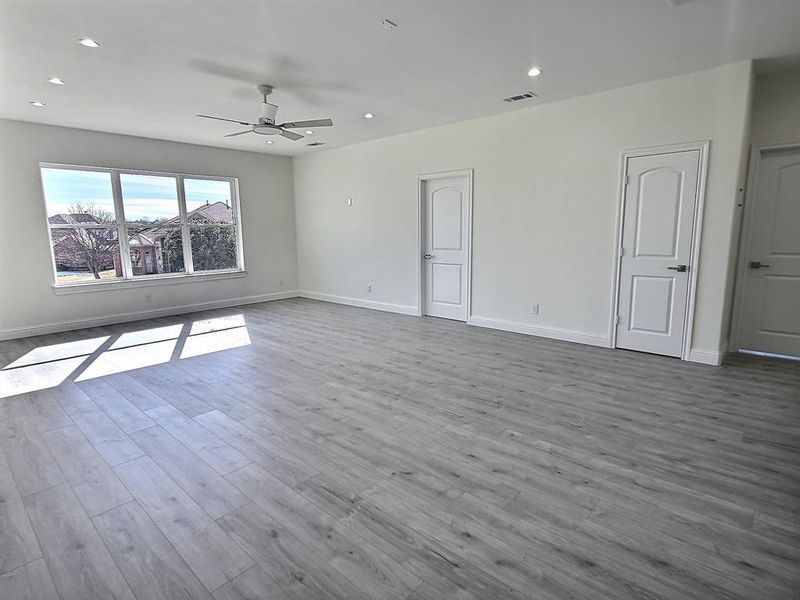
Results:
[305, 450]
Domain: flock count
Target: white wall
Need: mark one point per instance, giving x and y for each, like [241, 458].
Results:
[545, 198]
[26, 274]
[776, 109]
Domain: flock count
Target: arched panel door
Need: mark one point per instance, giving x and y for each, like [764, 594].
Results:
[771, 287]
[660, 198]
[446, 247]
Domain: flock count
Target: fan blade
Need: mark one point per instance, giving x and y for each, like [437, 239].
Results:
[291, 135]
[313, 123]
[229, 120]
[238, 133]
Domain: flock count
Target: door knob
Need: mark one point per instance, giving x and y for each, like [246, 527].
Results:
[757, 265]
[429, 256]
[679, 268]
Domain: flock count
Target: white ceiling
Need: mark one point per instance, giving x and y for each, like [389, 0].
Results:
[161, 62]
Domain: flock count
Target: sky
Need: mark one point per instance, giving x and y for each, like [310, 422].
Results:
[145, 197]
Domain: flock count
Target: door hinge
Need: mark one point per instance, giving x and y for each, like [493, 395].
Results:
[616, 320]
[627, 179]
[621, 251]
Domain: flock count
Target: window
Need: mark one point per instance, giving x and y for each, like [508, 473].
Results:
[112, 225]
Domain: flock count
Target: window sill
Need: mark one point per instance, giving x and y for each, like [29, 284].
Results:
[143, 281]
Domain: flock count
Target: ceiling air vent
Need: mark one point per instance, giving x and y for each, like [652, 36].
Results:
[316, 144]
[518, 97]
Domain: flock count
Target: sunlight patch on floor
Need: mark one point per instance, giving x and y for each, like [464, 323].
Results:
[33, 378]
[46, 366]
[128, 359]
[215, 341]
[147, 336]
[216, 324]
[58, 351]
[50, 366]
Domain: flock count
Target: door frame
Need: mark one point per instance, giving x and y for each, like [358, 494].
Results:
[697, 226]
[421, 225]
[756, 154]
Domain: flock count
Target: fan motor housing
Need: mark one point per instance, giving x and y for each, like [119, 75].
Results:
[268, 113]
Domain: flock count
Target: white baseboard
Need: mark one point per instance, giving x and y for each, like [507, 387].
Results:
[706, 357]
[403, 309]
[566, 335]
[20, 332]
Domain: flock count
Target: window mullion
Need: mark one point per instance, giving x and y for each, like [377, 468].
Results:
[237, 220]
[84, 225]
[188, 264]
[122, 232]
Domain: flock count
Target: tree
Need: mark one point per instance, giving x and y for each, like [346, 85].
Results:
[93, 247]
[172, 251]
[213, 247]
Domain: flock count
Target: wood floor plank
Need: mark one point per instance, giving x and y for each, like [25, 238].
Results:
[294, 511]
[175, 387]
[141, 396]
[253, 584]
[300, 570]
[41, 410]
[122, 411]
[278, 461]
[150, 564]
[108, 439]
[203, 484]
[28, 582]
[210, 448]
[367, 568]
[28, 457]
[208, 551]
[92, 480]
[18, 544]
[72, 546]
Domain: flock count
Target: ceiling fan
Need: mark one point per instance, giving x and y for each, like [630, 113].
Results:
[266, 122]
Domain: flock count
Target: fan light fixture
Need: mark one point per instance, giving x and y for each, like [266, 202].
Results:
[37, 104]
[369, 116]
[89, 43]
[534, 72]
[56, 81]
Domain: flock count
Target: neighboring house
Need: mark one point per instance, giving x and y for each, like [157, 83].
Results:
[146, 244]
[146, 256]
[70, 253]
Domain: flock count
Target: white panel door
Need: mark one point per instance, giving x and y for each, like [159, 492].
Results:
[445, 249]
[660, 198]
[771, 310]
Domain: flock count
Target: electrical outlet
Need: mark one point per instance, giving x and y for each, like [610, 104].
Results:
[280, 283]
[148, 298]
[534, 309]
[349, 202]
[369, 288]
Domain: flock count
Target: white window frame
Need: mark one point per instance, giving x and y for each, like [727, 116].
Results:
[128, 279]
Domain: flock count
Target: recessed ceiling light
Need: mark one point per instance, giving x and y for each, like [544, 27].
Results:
[270, 142]
[368, 116]
[37, 104]
[534, 72]
[89, 43]
[56, 81]
[309, 132]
